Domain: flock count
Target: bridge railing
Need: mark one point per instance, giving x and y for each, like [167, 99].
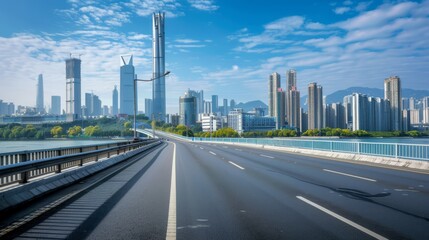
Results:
[391, 150]
[22, 166]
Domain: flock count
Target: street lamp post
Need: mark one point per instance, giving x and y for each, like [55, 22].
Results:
[135, 98]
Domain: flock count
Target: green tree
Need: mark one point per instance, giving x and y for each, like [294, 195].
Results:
[56, 131]
[127, 125]
[74, 131]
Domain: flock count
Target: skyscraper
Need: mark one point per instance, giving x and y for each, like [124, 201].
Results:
[392, 92]
[291, 79]
[39, 100]
[225, 107]
[290, 84]
[273, 86]
[115, 108]
[56, 105]
[73, 89]
[280, 108]
[188, 110]
[215, 103]
[126, 96]
[293, 102]
[315, 106]
[158, 90]
[148, 107]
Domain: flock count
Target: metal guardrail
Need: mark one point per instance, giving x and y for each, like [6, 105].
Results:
[28, 168]
[391, 150]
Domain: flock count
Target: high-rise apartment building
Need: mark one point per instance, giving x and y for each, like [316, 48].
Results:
[127, 76]
[392, 92]
[280, 108]
[215, 102]
[115, 105]
[56, 105]
[293, 102]
[40, 106]
[273, 86]
[315, 106]
[158, 50]
[290, 84]
[73, 89]
[291, 79]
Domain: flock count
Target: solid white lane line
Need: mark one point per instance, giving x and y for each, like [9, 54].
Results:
[240, 167]
[212, 153]
[262, 155]
[350, 175]
[171, 223]
[341, 218]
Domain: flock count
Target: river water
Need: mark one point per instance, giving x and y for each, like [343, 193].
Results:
[16, 146]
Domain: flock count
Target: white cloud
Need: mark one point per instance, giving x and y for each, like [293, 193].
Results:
[362, 50]
[204, 5]
[187, 41]
[285, 24]
[148, 7]
[341, 10]
[379, 16]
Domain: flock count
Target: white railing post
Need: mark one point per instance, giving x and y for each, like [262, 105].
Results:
[396, 150]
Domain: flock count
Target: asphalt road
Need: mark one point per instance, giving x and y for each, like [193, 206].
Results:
[232, 192]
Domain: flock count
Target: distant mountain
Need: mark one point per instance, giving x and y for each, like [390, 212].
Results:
[372, 92]
[248, 106]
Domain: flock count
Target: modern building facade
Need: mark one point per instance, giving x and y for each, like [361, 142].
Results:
[210, 122]
[315, 106]
[215, 103]
[244, 122]
[148, 107]
[158, 50]
[290, 84]
[188, 110]
[56, 105]
[126, 88]
[40, 106]
[293, 107]
[392, 92]
[73, 89]
[207, 107]
[225, 107]
[273, 86]
[280, 109]
[115, 102]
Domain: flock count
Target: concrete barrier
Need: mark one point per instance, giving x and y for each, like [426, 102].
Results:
[396, 162]
[22, 193]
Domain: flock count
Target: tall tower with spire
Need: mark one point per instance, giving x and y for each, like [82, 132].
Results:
[158, 44]
[127, 75]
[39, 100]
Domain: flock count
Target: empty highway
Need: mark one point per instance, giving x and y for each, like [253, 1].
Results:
[186, 190]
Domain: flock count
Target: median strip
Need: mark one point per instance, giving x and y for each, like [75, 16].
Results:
[341, 218]
[171, 222]
[350, 175]
[236, 165]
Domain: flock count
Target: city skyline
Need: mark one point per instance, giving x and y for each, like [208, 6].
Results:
[338, 44]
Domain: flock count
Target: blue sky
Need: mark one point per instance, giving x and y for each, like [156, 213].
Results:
[223, 47]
